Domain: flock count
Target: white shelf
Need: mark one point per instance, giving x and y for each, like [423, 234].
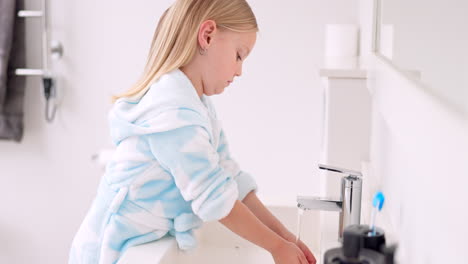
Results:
[344, 73]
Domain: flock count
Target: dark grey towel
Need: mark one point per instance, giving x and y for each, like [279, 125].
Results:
[12, 56]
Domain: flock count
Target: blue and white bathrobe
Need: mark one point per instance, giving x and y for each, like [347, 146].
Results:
[170, 173]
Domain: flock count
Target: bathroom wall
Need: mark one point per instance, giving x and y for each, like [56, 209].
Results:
[271, 114]
[418, 153]
[430, 37]
[419, 148]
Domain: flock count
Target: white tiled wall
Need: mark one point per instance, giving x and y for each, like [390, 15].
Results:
[418, 157]
[419, 153]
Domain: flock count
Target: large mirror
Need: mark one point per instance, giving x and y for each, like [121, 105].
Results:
[429, 40]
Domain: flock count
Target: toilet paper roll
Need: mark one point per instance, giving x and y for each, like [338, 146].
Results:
[341, 40]
[334, 62]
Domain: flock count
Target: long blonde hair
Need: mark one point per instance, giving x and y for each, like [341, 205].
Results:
[175, 39]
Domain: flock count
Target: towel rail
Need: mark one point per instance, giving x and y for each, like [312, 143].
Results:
[45, 42]
[44, 73]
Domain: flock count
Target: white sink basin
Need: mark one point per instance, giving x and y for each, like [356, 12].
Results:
[217, 244]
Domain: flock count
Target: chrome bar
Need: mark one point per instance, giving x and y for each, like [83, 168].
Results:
[29, 72]
[29, 13]
[45, 39]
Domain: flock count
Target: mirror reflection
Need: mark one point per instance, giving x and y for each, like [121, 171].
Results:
[429, 39]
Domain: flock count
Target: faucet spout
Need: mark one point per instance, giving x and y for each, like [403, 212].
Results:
[318, 203]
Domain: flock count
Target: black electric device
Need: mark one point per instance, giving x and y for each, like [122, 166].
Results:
[361, 246]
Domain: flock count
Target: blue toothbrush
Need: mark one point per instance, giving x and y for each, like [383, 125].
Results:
[377, 204]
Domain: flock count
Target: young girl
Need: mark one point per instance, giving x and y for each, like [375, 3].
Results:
[172, 169]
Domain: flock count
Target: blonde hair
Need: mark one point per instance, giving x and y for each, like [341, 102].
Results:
[175, 39]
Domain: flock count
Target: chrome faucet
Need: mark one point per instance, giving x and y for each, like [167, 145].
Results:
[349, 204]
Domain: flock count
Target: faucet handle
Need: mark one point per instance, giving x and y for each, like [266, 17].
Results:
[340, 170]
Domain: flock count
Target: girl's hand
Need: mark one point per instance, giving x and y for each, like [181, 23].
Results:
[288, 253]
[308, 254]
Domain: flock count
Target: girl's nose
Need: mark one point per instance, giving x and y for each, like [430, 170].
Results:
[239, 70]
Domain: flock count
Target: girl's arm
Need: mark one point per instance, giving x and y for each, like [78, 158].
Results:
[244, 223]
[261, 212]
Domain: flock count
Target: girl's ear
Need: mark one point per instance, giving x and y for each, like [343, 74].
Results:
[206, 32]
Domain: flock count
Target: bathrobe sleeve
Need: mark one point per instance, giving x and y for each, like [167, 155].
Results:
[245, 181]
[188, 154]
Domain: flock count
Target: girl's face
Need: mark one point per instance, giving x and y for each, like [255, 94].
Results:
[225, 57]
[226, 50]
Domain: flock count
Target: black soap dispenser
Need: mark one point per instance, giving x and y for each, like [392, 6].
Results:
[361, 246]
